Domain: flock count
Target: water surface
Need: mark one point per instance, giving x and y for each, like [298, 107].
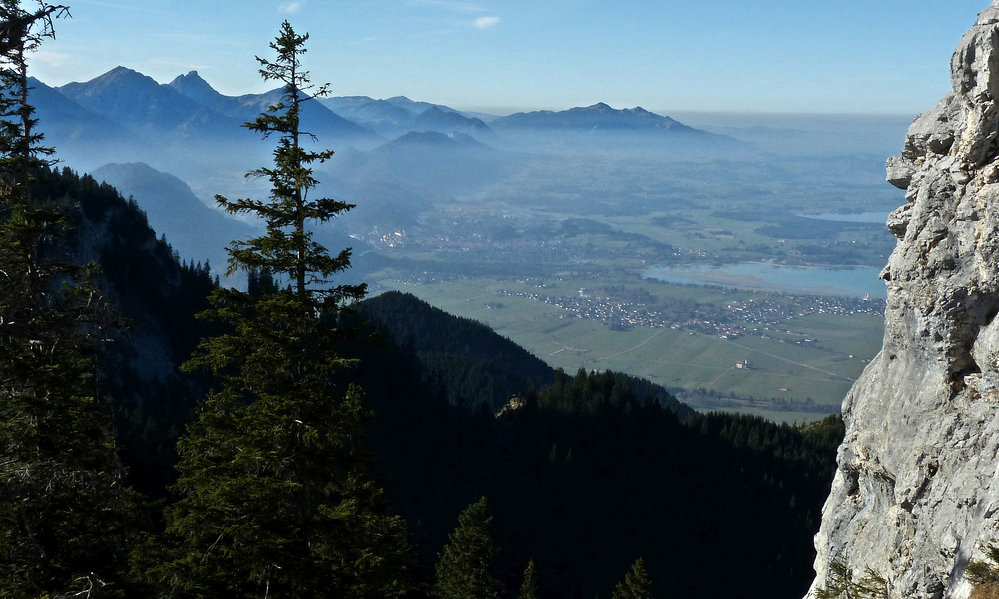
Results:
[818, 280]
[852, 217]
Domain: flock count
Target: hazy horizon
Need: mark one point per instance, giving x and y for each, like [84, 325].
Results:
[500, 56]
[691, 115]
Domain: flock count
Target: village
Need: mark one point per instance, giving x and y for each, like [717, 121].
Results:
[765, 317]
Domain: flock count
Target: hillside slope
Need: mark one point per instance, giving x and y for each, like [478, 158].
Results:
[476, 365]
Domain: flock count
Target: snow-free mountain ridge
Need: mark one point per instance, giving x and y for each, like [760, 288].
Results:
[171, 205]
[140, 103]
[190, 108]
[599, 116]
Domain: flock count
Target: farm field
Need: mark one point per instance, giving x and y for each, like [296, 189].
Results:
[798, 369]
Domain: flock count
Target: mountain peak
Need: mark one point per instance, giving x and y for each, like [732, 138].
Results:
[433, 138]
[413, 106]
[137, 101]
[599, 116]
[190, 76]
[120, 73]
[193, 86]
[118, 78]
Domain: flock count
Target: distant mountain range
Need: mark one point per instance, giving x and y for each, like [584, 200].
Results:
[427, 159]
[400, 115]
[599, 125]
[597, 117]
[322, 121]
[128, 107]
[189, 106]
[398, 157]
[144, 106]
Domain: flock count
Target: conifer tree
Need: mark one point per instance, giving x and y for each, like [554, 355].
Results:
[464, 566]
[273, 496]
[529, 587]
[64, 510]
[842, 584]
[636, 583]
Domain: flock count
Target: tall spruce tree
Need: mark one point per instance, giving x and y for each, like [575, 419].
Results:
[464, 568]
[273, 496]
[64, 510]
[636, 583]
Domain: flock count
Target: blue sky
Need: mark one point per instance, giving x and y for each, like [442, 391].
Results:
[804, 56]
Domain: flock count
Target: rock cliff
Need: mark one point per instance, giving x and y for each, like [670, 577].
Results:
[916, 494]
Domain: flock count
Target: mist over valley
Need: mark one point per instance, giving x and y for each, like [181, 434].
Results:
[551, 217]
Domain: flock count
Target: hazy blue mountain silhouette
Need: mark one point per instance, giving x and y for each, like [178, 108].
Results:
[596, 117]
[378, 115]
[426, 159]
[195, 88]
[437, 119]
[609, 129]
[143, 105]
[417, 107]
[318, 119]
[67, 125]
[198, 232]
[400, 115]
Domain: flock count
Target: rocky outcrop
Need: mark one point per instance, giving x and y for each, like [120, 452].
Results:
[916, 493]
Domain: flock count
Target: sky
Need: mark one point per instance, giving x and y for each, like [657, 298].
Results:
[501, 56]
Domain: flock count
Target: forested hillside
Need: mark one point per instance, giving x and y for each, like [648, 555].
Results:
[472, 365]
[155, 297]
[583, 478]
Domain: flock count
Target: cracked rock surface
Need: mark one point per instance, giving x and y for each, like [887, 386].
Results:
[916, 492]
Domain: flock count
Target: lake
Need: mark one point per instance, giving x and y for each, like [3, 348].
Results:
[879, 217]
[814, 280]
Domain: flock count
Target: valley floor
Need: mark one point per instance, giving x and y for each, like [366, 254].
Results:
[787, 358]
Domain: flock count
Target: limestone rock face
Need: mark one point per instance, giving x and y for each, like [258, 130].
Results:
[916, 493]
